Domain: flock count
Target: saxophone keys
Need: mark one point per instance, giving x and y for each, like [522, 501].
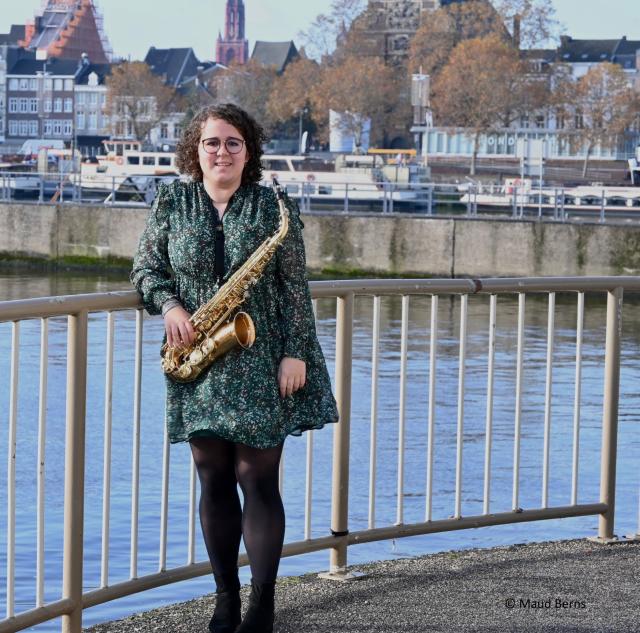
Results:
[196, 356]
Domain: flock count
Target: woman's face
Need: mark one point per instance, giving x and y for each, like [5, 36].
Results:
[222, 152]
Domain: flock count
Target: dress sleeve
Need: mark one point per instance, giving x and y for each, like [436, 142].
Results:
[151, 276]
[296, 311]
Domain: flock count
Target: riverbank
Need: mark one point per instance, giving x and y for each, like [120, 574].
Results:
[400, 245]
[555, 586]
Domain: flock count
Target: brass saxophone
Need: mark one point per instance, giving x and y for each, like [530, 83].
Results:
[216, 330]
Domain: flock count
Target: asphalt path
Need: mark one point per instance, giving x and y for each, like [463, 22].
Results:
[570, 586]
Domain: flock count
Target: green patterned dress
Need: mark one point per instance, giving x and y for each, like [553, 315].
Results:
[238, 397]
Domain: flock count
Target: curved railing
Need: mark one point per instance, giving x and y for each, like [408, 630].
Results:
[338, 535]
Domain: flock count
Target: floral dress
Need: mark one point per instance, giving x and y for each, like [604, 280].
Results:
[237, 398]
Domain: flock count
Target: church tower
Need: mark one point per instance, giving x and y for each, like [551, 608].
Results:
[234, 47]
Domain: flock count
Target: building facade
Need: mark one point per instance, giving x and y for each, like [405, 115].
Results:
[39, 101]
[92, 123]
[233, 48]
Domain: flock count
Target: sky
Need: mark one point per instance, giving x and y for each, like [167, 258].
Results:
[132, 26]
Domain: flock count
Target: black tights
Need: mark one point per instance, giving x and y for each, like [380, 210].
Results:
[221, 465]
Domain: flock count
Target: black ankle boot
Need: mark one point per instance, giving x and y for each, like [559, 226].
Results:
[259, 615]
[226, 615]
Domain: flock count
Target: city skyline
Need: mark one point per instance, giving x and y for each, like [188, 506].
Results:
[180, 25]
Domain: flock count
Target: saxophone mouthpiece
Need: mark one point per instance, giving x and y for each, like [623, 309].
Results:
[278, 189]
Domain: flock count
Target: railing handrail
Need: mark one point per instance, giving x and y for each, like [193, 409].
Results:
[45, 307]
[76, 307]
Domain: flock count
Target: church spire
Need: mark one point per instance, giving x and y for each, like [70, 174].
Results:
[234, 48]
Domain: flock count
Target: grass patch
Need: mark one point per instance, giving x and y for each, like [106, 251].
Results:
[339, 272]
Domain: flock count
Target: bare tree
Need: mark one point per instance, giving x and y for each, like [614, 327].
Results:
[250, 86]
[324, 33]
[138, 97]
[479, 89]
[536, 20]
[598, 108]
[359, 89]
[442, 30]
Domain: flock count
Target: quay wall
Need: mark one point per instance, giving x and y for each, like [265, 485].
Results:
[392, 244]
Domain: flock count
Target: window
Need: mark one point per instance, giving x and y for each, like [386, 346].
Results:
[57, 105]
[164, 161]
[177, 131]
[47, 128]
[80, 120]
[57, 84]
[133, 160]
[48, 84]
[93, 121]
[24, 105]
[540, 122]
[93, 98]
[164, 130]
[13, 128]
[68, 105]
[560, 119]
[33, 105]
[24, 84]
[33, 129]
[13, 84]
[47, 105]
[33, 84]
[80, 98]
[13, 104]
[579, 120]
[24, 128]
[57, 128]
[67, 127]
[148, 160]
[68, 85]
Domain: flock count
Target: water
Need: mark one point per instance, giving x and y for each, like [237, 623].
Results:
[15, 285]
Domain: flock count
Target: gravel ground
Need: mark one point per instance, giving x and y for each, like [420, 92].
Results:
[570, 586]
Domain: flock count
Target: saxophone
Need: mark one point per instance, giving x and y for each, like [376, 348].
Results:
[215, 328]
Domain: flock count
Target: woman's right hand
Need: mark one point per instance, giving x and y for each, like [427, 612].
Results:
[180, 332]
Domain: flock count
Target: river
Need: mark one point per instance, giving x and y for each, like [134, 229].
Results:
[19, 284]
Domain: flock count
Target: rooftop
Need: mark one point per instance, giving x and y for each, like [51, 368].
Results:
[277, 54]
[173, 64]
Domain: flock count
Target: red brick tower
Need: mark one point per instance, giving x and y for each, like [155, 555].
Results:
[233, 48]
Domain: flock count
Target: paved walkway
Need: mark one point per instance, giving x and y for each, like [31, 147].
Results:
[570, 586]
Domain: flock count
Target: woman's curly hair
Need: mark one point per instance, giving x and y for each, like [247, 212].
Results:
[252, 133]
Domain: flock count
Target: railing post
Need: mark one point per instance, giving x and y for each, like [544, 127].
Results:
[341, 434]
[74, 469]
[610, 415]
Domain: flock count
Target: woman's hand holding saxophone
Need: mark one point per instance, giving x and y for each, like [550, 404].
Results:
[179, 329]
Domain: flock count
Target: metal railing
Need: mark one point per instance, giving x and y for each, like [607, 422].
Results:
[338, 536]
[425, 198]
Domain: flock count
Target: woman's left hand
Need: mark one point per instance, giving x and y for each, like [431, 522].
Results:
[291, 375]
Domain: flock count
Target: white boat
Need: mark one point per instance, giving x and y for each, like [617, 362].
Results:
[124, 167]
[524, 193]
[356, 177]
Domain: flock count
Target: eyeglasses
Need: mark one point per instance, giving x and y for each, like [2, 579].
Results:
[232, 145]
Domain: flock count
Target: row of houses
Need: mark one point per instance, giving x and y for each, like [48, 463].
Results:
[63, 99]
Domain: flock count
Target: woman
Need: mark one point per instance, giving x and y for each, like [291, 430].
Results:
[237, 414]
